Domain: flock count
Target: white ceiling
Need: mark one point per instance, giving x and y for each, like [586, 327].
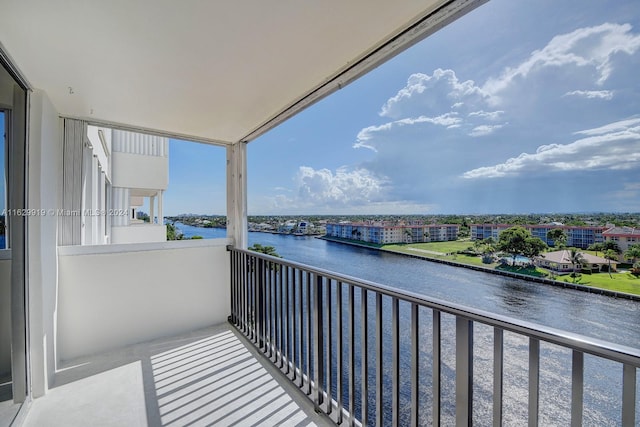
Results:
[216, 71]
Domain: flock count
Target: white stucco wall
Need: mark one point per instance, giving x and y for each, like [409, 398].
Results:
[45, 189]
[139, 171]
[111, 296]
[5, 314]
[139, 233]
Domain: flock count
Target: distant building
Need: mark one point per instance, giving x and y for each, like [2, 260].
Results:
[623, 236]
[560, 261]
[577, 236]
[387, 233]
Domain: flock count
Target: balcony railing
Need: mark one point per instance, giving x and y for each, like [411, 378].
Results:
[373, 355]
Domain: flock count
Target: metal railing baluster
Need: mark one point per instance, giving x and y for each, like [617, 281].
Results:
[629, 373]
[415, 364]
[464, 371]
[534, 380]
[352, 358]
[339, 352]
[498, 368]
[364, 359]
[379, 361]
[577, 387]
[437, 368]
[395, 362]
[328, 347]
[318, 338]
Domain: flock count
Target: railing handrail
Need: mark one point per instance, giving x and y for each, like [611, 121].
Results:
[617, 352]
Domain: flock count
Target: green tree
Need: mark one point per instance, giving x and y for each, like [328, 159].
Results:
[597, 247]
[267, 250]
[559, 237]
[575, 258]
[632, 253]
[534, 247]
[610, 255]
[173, 233]
[513, 241]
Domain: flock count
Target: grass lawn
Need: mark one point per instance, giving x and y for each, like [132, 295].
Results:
[444, 247]
[620, 282]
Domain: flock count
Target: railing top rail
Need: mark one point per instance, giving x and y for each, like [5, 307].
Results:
[595, 346]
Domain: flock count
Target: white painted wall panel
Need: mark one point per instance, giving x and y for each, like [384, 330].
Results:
[141, 233]
[138, 171]
[114, 297]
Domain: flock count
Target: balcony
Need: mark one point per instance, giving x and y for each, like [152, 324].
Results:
[255, 340]
[206, 377]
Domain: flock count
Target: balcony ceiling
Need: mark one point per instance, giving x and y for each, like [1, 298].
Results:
[211, 71]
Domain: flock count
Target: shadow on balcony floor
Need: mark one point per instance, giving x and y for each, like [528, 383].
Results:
[203, 378]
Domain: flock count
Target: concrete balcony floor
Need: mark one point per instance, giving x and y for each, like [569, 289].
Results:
[208, 377]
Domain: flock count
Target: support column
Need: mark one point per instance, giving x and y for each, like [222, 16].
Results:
[237, 194]
[160, 213]
[152, 210]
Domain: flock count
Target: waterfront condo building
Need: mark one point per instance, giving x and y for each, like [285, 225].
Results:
[577, 236]
[380, 232]
[623, 236]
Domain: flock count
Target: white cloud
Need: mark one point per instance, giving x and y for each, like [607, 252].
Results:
[350, 187]
[489, 115]
[484, 130]
[445, 92]
[615, 146]
[448, 120]
[585, 47]
[611, 127]
[592, 94]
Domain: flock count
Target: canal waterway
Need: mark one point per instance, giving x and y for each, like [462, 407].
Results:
[602, 317]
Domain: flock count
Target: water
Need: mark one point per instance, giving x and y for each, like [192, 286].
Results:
[606, 318]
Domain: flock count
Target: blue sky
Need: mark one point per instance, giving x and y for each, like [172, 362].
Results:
[528, 106]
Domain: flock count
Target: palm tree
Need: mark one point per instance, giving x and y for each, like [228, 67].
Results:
[575, 258]
[596, 247]
[610, 254]
[632, 253]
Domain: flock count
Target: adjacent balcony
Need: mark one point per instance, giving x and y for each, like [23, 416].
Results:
[257, 340]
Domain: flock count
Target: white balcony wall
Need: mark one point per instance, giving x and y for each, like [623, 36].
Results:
[139, 171]
[45, 193]
[139, 233]
[138, 143]
[5, 315]
[115, 295]
[101, 150]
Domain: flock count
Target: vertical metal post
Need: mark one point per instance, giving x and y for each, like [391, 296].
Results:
[328, 345]
[379, 357]
[395, 362]
[415, 363]
[364, 360]
[498, 367]
[300, 340]
[260, 314]
[308, 332]
[577, 387]
[318, 356]
[352, 358]
[534, 380]
[464, 371]
[628, 395]
[435, 414]
[339, 351]
[287, 334]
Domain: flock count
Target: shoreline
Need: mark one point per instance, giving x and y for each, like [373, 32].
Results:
[557, 283]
